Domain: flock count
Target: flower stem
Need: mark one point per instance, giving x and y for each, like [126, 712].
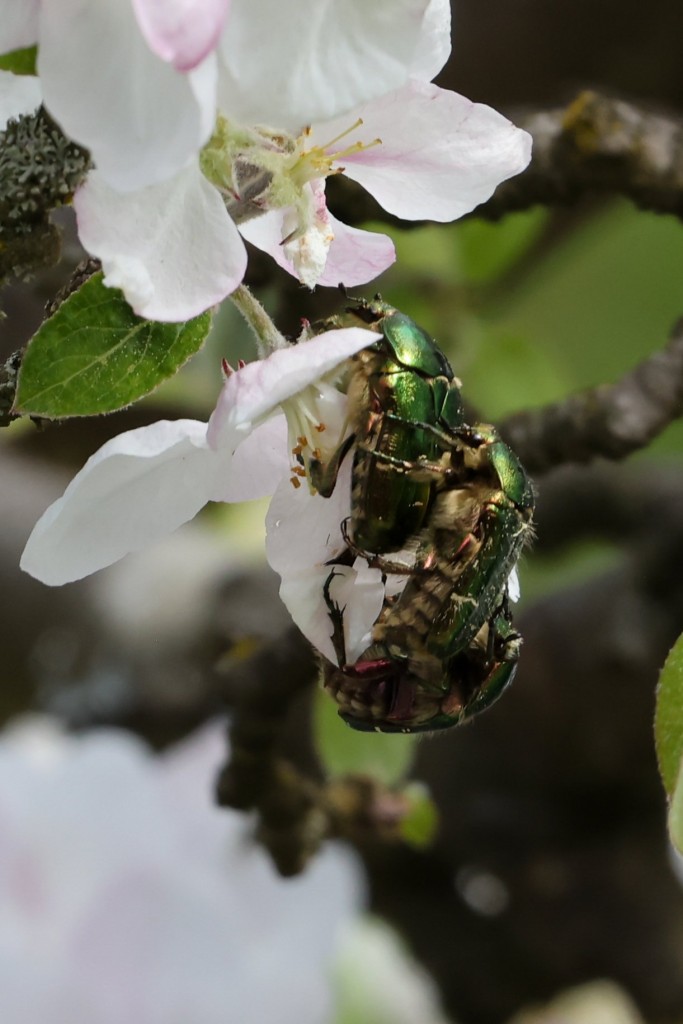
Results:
[268, 338]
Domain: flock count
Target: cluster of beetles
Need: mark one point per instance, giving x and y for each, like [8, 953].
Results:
[455, 500]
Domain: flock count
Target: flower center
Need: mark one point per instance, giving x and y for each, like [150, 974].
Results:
[259, 169]
[306, 164]
[316, 422]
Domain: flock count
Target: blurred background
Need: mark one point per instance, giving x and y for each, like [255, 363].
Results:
[551, 869]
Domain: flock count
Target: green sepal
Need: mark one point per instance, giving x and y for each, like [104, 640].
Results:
[94, 355]
[20, 62]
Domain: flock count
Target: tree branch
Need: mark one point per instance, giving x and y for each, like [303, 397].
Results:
[597, 144]
[612, 420]
[297, 811]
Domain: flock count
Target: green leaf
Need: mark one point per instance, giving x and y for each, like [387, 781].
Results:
[669, 718]
[419, 826]
[676, 814]
[94, 355]
[343, 750]
[21, 62]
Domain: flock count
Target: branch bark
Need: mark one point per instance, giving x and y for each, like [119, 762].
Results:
[609, 421]
[597, 144]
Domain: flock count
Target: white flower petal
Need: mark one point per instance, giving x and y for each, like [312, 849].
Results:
[18, 24]
[514, 589]
[360, 593]
[441, 155]
[354, 257]
[434, 43]
[19, 94]
[171, 248]
[303, 530]
[303, 533]
[137, 488]
[141, 119]
[302, 596]
[181, 32]
[317, 59]
[259, 463]
[252, 392]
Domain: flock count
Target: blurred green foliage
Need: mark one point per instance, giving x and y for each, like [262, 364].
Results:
[541, 305]
[344, 751]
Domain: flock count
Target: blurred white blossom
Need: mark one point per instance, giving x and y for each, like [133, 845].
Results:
[127, 897]
[378, 982]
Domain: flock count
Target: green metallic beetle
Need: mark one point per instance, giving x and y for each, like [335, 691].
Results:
[445, 649]
[404, 400]
[384, 693]
[478, 525]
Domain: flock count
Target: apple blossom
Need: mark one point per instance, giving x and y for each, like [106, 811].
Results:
[344, 91]
[423, 153]
[128, 897]
[145, 483]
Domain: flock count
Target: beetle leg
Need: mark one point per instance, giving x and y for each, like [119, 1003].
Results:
[450, 437]
[336, 615]
[417, 469]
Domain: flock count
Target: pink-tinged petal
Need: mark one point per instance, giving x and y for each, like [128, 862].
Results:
[434, 43]
[251, 393]
[171, 248]
[440, 154]
[310, 244]
[354, 257]
[138, 487]
[316, 59]
[181, 32]
[140, 118]
[19, 94]
[18, 24]
[260, 461]
[299, 238]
